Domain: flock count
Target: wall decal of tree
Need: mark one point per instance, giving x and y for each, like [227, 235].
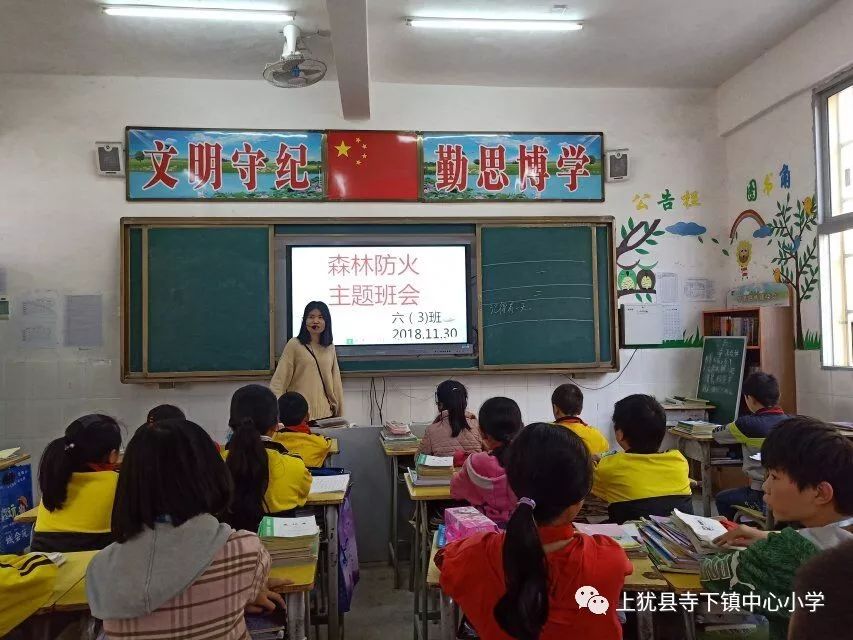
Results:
[797, 260]
[634, 237]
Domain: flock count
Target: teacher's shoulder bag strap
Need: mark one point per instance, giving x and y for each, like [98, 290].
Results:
[332, 405]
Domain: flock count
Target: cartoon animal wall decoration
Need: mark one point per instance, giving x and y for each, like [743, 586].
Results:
[743, 256]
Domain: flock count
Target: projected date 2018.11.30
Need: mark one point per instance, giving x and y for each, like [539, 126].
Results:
[425, 334]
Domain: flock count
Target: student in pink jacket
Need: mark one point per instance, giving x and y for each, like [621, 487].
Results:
[454, 429]
[482, 482]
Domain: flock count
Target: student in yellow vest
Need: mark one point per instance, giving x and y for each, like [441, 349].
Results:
[567, 403]
[77, 480]
[26, 585]
[295, 432]
[641, 481]
[267, 479]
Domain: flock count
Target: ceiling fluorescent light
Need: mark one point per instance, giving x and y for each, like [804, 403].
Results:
[494, 24]
[197, 13]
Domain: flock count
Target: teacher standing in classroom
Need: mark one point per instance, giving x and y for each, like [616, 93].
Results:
[309, 365]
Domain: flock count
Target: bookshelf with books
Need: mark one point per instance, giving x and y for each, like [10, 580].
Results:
[770, 343]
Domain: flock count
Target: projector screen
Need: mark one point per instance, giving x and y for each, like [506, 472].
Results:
[384, 295]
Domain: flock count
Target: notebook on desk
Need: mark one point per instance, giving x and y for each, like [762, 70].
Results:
[330, 484]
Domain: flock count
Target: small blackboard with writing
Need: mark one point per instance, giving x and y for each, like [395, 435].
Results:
[721, 376]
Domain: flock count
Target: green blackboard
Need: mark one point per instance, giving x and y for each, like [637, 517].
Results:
[197, 296]
[721, 376]
[546, 296]
[208, 300]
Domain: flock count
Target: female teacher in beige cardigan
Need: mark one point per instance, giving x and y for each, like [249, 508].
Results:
[309, 365]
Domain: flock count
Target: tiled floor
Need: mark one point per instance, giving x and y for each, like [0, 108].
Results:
[379, 612]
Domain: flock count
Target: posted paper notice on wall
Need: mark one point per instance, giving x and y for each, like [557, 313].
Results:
[39, 319]
[699, 289]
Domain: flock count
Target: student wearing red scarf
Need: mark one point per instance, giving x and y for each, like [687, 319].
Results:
[541, 578]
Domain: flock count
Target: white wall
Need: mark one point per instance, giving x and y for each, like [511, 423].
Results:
[816, 51]
[783, 133]
[59, 222]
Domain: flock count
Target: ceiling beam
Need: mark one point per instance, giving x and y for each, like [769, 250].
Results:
[348, 21]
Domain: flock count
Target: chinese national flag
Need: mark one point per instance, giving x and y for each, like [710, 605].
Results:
[372, 165]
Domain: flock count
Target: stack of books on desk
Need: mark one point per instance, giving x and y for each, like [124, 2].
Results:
[421, 481]
[669, 548]
[397, 436]
[432, 471]
[678, 542]
[686, 400]
[290, 541]
[434, 466]
[627, 535]
[696, 427]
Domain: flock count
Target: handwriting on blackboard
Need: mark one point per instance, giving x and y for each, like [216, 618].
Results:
[507, 308]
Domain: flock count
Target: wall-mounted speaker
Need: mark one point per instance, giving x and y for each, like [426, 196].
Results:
[617, 165]
[109, 158]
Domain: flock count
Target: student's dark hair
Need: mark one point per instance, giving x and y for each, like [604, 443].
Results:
[568, 398]
[292, 408]
[89, 439]
[254, 411]
[325, 337]
[452, 396]
[552, 467]
[810, 452]
[827, 573]
[165, 412]
[500, 419]
[764, 387]
[170, 468]
[642, 422]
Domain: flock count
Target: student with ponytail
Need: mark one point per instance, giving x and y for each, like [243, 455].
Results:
[267, 479]
[77, 480]
[526, 583]
[482, 482]
[454, 429]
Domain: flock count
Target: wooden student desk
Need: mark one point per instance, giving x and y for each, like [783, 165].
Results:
[27, 517]
[11, 461]
[69, 592]
[330, 505]
[698, 448]
[686, 411]
[393, 457]
[421, 551]
[645, 578]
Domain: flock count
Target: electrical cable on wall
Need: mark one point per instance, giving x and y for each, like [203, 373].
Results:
[624, 369]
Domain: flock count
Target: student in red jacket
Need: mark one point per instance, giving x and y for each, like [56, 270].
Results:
[540, 579]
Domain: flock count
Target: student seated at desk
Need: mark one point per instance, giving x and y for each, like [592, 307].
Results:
[761, 394]
[267, 479]
[77, 480]
[809, 481]
[639, 481]
[175, 571]
[26, 584]
[295, 433]
[454, 429]
[482, 482]
[524, 583]
[165, 412]
[827, 573]
[567, 404]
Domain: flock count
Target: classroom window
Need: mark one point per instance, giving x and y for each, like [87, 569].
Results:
[834, 127]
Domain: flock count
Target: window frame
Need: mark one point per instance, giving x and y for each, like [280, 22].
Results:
[828, 224]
